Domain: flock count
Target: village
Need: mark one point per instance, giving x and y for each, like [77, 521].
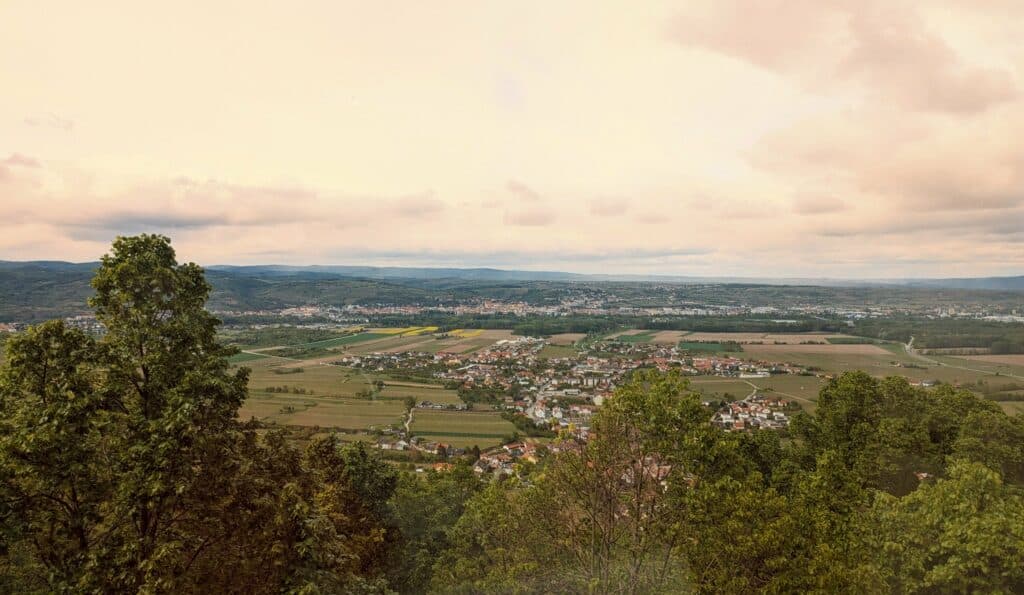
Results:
[557, 396]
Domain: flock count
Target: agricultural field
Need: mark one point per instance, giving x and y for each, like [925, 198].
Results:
[712, 386]
[400, 389]
[325, 412]
[246, 356]
[408, 331]
[565, 338]
[710, 347]
[462, 429]
[1012, 407]
[636, 337]
[802, 389]
[465, 341]
[670, 337]
[878, 360]
[1010, 360]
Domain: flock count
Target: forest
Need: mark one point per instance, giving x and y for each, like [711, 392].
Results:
[124, 468]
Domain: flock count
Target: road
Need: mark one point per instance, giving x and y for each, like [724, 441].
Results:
[756, 388]
[909, 348]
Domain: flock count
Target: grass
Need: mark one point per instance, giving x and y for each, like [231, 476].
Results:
[245, 357]
[421, 392]
[850, 341]
[1012, 407]
[461, 428]
[643, 337]
[325, 412]
[699, 347]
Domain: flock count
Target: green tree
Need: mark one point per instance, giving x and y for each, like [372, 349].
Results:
[53, 487]
[962, 534]
[425, 507]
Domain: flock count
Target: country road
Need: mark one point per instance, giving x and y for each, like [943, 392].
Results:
[778, 392]
[909, 348]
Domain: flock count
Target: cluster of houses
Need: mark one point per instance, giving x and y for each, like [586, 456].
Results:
[502, 461]
[754, 412]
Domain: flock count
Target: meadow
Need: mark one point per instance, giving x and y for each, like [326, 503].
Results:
[463, 428]
[324, 412]
[710, 347]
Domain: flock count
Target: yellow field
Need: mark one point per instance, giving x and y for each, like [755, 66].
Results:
[392, 331]
[465, 333]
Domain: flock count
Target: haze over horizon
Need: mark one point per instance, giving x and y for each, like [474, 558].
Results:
[790, 138]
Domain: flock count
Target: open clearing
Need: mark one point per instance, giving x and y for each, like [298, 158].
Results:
[325, 412]
[565, 338]
[420, 392]
[1016, 359]
[464, 428]
[465, 341]
[801, 389]
[636, 337]
[828, 348]
[711, 347]
[669, 337]
[1012, 407]
[770, 338]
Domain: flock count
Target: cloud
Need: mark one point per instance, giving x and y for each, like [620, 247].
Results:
[530, 218]
[608, 207]
[522, 191]
[19, 160]
[809, 204]
[415, 206]
[907, 162]
[884, 48]
[50, 120]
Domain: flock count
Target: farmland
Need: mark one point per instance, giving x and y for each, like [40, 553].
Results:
[709, 347]
[464, 428]
[291, 385]
[324, 412]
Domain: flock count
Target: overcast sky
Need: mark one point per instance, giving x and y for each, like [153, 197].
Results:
[841, 138]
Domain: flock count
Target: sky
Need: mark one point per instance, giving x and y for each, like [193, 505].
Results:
[797, 138]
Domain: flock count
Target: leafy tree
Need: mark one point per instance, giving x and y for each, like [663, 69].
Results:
[961, 534]
[425, 507]
[53, 486]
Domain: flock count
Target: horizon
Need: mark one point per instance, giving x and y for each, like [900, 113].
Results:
[725, 279]
[836, 140]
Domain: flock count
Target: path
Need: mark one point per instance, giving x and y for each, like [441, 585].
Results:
[778, 392]
[291, 359]
[408, 421]
[909, 348]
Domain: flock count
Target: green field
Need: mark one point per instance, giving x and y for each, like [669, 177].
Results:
[644, 337]
[323, 348]
[802, 389]
[698, 347]
[461, 428]
[717, 386]
[850, 341]
[325, 412]
[245, 357]
[421, 392]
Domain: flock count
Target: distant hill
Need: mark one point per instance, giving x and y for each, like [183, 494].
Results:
[32, 291]
[997, 283]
